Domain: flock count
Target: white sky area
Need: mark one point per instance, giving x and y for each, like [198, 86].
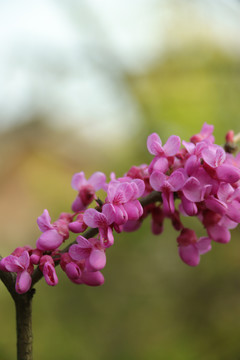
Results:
[66, 59]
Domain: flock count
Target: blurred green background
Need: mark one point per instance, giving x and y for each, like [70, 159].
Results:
[83, 92]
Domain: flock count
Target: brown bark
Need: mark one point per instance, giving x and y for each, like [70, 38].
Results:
[23, 305]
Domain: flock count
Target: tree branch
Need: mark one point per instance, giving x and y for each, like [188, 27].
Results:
[9, 280]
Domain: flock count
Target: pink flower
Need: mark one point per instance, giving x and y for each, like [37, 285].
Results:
[227, 202]
[78, 273]
[86, 189]
[205, 134]
[71, 268]
[123, 196]
[89, 250]
[53, 234]
[163, 154]
[47, 267]
[35, 256]
[195, 150]
[194, 190]
[214, 157]
[102, 221]
[190, 248]
[157, 220]
[23, 282]
[78, 225]
[141, 172]
[95, 278]
[217, 226]
[167, 185]
[17, 264]
[21, 265]
[171, 148]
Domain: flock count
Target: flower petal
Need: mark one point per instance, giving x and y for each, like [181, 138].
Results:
[140, 185]
[44, 221]
[124, 193]
[191, 165]
[77, 227]
[132, 225]
[189, 254]
[206, 130]
[11, 263]
[121, 216]
[192, 190]
[189, 207]
[176, 180]
[190, 147]
[73, 271]
[157, 180]
[228, 173]
[24, 259]
[90, 217]
[233, 211]
[78, 205]
[23, 282]
[204, 245]
[172, 145]
[154, 144]
[78, 180]
[213, 155]
[216, 205]
[95, 278]
[78, 253]
[109, 212]
[168, 203]
[97, 180]
[219, 233]
[132, 210]
[158, 164]
[49, 274]
[97, 259]
[49, 240]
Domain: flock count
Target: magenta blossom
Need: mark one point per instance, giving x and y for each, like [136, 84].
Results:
[86, 189]
[78, 273]
[53, 234]
[167, 185]
[72, 269]
[47, 267]
[102, 221]
[123, 196]
[227, 202]
[163, 154]
[190, 248]
[171, 148]
[78, 225]
[214, 157]
[205, 134]
[35, 256]
[21, 265]
[89, 250]
[141, 172]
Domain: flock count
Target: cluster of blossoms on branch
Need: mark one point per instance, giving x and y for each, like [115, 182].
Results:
[204, 177]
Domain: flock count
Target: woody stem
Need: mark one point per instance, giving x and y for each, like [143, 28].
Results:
[23, 305]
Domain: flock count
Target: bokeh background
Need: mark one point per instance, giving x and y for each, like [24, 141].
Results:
[82, 85]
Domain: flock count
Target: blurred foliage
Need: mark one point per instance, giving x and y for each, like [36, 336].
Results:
[188, 87]
[152, 306]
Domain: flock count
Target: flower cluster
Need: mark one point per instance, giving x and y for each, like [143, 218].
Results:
[202, 175]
